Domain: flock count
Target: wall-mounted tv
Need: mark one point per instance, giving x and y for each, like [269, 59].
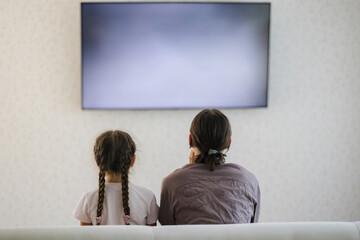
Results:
[174, 55]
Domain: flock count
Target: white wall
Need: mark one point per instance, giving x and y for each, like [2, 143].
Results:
[304, 148]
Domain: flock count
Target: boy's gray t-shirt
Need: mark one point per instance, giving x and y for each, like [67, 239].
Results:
[195, 195]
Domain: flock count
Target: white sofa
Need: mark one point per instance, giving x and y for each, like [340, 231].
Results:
[268, 231]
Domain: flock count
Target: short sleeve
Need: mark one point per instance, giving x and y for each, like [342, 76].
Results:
[153, 211]
[81, 211]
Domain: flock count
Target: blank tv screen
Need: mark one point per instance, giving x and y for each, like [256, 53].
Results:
[178, 55]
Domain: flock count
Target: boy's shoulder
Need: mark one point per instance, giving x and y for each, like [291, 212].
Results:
[190, 171]
[180, 175]
[180, 171]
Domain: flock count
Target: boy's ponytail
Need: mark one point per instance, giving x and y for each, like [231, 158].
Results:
[211, 134]
[212, 160]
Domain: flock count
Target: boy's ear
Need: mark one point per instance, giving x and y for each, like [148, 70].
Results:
[133, 158]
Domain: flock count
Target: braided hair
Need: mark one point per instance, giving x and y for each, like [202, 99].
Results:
[113, 151]
[211, 133]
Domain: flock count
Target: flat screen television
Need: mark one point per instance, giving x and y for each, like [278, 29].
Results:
[174, 55]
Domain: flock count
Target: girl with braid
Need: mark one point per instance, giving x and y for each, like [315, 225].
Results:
[116, 201]
[208, 190]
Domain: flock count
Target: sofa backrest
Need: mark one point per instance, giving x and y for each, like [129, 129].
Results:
[268, 231]
[258, 231]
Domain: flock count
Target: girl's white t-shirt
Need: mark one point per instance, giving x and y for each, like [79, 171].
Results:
[142, 202]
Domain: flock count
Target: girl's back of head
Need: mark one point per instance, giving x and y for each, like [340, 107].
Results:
[210, 133]
[113, 153]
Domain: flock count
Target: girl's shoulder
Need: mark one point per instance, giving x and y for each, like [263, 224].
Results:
[91, 193]
[90, 196]
[140, 190]
[89, 199]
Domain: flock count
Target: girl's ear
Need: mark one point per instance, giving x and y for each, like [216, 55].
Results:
[133, 158]
[229, 143]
